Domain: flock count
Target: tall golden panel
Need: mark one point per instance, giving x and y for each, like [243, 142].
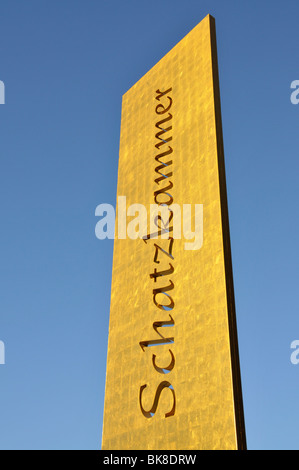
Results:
[173, 378]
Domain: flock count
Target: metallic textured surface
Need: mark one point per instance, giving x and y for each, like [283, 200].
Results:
[205, 378]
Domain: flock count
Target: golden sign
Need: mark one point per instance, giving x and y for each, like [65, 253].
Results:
[173, 378]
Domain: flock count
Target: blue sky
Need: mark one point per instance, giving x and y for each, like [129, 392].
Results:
[66, 65]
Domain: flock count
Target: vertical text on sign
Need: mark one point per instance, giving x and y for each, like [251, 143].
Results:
[163, 252]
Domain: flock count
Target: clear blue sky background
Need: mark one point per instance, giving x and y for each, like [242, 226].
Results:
[65, 65]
